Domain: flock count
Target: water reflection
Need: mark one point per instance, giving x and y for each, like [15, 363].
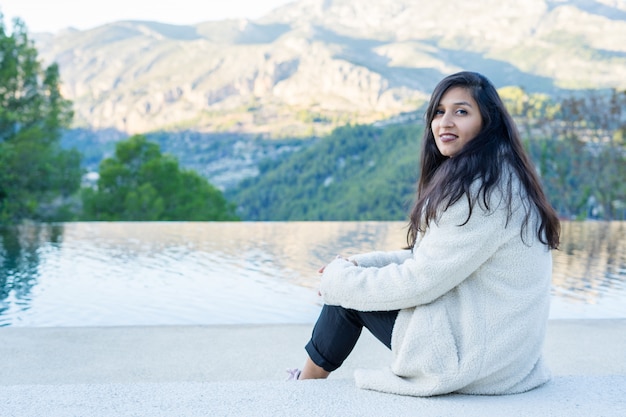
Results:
[590, 268]
[21, 250]
[88, 274]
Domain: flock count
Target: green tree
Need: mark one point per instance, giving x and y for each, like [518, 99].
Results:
[141, 184]
[581, 156]
[594, 119]
[37, 177]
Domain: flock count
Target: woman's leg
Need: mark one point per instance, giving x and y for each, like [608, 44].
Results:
[335, 334]
[312, 371]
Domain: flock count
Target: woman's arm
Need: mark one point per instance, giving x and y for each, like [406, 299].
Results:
[447, 255]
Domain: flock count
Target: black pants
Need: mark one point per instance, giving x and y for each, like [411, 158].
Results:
[337, 330]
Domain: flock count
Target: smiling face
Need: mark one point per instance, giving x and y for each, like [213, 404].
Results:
[457, 120]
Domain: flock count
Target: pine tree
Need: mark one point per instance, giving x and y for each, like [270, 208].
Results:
[37, 176]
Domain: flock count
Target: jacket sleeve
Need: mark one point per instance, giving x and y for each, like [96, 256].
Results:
[380, 259]
[447, 254]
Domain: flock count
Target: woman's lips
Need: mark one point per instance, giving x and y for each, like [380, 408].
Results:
[447, 137]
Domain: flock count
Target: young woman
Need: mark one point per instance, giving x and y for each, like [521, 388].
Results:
[465, 308]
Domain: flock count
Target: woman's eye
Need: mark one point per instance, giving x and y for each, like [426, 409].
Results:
[439, 112]
[461, 111]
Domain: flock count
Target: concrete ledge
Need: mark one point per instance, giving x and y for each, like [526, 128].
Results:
[573, 396]
[187, 371]
[97, 355]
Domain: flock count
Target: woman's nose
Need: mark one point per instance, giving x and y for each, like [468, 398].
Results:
[446, 120]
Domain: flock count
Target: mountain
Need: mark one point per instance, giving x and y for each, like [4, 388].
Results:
[312, 65]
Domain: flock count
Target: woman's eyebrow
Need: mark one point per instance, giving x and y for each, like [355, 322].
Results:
[458, 103]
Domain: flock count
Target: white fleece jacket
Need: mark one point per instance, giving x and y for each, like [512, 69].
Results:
[474, 303]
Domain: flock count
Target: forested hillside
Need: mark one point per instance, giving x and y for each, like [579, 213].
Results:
[356, 173]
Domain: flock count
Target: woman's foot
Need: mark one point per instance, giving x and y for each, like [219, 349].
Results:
[294, 374]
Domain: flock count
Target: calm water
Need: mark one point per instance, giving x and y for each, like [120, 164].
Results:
[93, 274]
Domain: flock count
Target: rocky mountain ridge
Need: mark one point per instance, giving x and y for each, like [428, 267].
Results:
[314, 64]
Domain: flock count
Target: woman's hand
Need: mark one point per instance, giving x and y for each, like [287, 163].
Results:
[321, 270]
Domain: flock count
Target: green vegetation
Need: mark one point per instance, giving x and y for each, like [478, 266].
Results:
[581, 155]
[356, 173]
[141, 184]
[37, 177]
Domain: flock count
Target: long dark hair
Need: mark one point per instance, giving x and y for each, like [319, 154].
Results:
[444, 181]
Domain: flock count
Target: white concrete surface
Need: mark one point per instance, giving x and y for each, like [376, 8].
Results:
[573, 396]
[239, 371]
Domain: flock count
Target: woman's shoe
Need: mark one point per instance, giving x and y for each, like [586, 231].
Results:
[294, 374]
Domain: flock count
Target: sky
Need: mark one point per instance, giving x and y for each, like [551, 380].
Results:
[54, 15]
